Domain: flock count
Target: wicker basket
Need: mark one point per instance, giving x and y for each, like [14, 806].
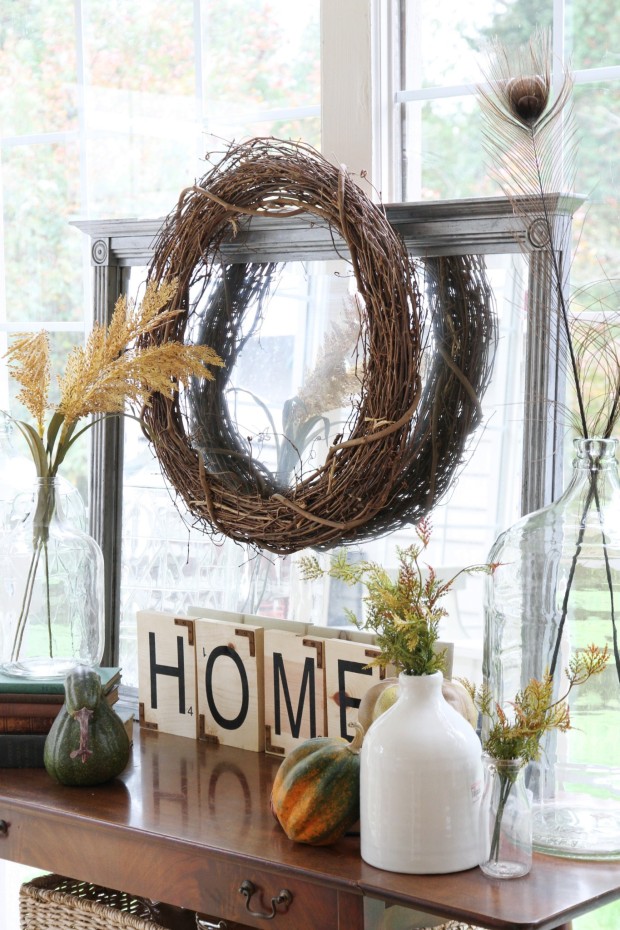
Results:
[52, 902]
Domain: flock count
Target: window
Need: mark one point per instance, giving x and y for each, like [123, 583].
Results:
[435, 63]
[120, 121]
[440, 57]
[111, 111]
[107, 110]
[121, 126]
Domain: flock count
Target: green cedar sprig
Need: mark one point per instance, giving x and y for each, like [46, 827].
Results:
[404, 614]
[534, 711]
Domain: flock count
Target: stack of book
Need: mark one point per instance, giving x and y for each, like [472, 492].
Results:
[28, 709]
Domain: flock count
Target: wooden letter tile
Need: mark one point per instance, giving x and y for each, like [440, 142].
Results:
[346, 681]
[167, 673]
[229, 667]
[294, 690]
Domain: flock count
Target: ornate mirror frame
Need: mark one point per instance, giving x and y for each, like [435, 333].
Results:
[467, 227]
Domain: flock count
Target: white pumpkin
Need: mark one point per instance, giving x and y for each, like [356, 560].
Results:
[381, 696]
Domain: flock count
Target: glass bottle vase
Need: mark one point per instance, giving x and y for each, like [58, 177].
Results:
[506, 820]
[555, 592]
[51, 607]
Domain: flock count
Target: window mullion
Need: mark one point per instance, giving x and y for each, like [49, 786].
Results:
[386, 126]
[346, 85]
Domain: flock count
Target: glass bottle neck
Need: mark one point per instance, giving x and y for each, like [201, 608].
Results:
[595, 468]
[510, 767]
[47, 502]
[595, 454]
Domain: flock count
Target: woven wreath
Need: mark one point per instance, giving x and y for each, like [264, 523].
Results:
[426, 363]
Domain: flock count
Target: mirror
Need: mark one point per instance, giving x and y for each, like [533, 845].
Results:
[290, 339]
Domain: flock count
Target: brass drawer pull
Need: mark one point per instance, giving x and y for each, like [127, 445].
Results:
[248, 889]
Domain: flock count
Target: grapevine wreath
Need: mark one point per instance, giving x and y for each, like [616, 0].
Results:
[425, 364]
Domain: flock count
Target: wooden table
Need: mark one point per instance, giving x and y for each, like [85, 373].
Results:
[188, 823]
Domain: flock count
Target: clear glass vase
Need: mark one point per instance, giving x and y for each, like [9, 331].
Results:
[506, 820]
[556, 591]
[51, 603]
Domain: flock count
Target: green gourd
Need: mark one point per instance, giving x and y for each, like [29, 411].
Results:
[88, 743]
[316, 791]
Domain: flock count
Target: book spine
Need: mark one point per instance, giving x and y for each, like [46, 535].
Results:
[111, 696]
[28, 709]
[21, 751]
[26, 724]
[18, 697]
[25, 709]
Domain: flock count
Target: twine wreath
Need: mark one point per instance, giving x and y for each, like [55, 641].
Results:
[425, 364]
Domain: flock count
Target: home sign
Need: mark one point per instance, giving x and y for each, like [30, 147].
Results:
[263, 686]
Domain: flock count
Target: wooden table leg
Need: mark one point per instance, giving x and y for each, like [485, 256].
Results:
[350, 911]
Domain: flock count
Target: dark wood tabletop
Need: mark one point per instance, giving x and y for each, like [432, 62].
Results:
[189, 822]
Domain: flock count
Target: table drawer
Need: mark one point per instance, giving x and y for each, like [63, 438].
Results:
[206, 884]
[267, 899]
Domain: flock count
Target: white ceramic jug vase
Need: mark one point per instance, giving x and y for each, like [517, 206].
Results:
[421, 784]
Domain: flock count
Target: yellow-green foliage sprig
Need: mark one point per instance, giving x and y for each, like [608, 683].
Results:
[404, 614]
[112, 372]
[534, 711]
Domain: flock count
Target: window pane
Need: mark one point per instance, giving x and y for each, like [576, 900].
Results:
[163, 90]
[592, 33]
[260, 54]
[42, 252]
[598, 166]
[486, 497]
[443, 159]
[38, 67]
[442, 40]
[140, 113]
[442, 139]
[133, 173]
[139, 47]
[168, 566]
[260, 60]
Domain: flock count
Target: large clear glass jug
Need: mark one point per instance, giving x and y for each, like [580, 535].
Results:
[556, 591]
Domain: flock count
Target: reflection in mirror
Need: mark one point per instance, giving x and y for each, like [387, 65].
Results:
[169, 563]
[289, 337]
